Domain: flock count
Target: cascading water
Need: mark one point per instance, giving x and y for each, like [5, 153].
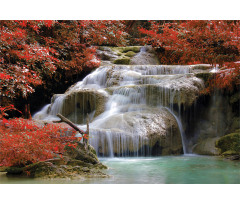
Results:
[135, 109]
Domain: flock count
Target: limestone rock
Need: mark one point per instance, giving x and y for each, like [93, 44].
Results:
[77, 104]
[206, 147]
[145, 57]
[135, 130]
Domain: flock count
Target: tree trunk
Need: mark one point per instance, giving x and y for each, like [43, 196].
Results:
[27, 113]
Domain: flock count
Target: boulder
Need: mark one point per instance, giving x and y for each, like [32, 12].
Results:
[77, 104]
[229, 143]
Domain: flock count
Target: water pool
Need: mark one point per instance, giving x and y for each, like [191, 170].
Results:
[186, 169]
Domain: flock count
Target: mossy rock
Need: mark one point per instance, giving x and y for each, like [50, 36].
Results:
[205, 76]
[3, 169]
[132, 48]
[14, 170]
[122, 61]
[40, 169]
[135, 49]
[80, 153]
[235, 98]
[230, 142]
[130, 54]
[76, 162]
[202, 66]
[230, 152]
[237, 131]
[235, 124]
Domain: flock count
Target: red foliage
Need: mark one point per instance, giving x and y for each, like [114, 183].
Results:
[24, 142]
[227, 78]
[23, 59]
[194, 42]
[4, 110]
[109, 32]
[33, 51]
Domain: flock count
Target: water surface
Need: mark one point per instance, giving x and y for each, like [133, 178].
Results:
[188, 169]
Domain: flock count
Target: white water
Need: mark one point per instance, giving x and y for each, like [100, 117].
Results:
[133, 92]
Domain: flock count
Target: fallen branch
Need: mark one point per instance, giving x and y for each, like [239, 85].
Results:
[63, 119]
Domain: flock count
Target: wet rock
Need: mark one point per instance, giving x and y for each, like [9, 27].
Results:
[206, 147]
[145, 130]
[77, 104]
[145, 57]
[233, 157]
[106, 53]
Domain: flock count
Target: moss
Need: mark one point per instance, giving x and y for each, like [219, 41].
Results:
[202, 66]
[122, 61]
[14, 170]
[230, 152]
[102, 48]
[230, 142]
[40, 169]
[235, 98]
[101, 166]
[3, 169]
[235, 124]
[237, 131]
[132, 48]
[78, 163]
[130, 54]
[204, 76]
[135, 49]
[118, 50]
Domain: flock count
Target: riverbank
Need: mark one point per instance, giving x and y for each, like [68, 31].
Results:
[78, 162]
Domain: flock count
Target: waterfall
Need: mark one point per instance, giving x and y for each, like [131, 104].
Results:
[181, 131]
[50, 111]
[135, 109]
